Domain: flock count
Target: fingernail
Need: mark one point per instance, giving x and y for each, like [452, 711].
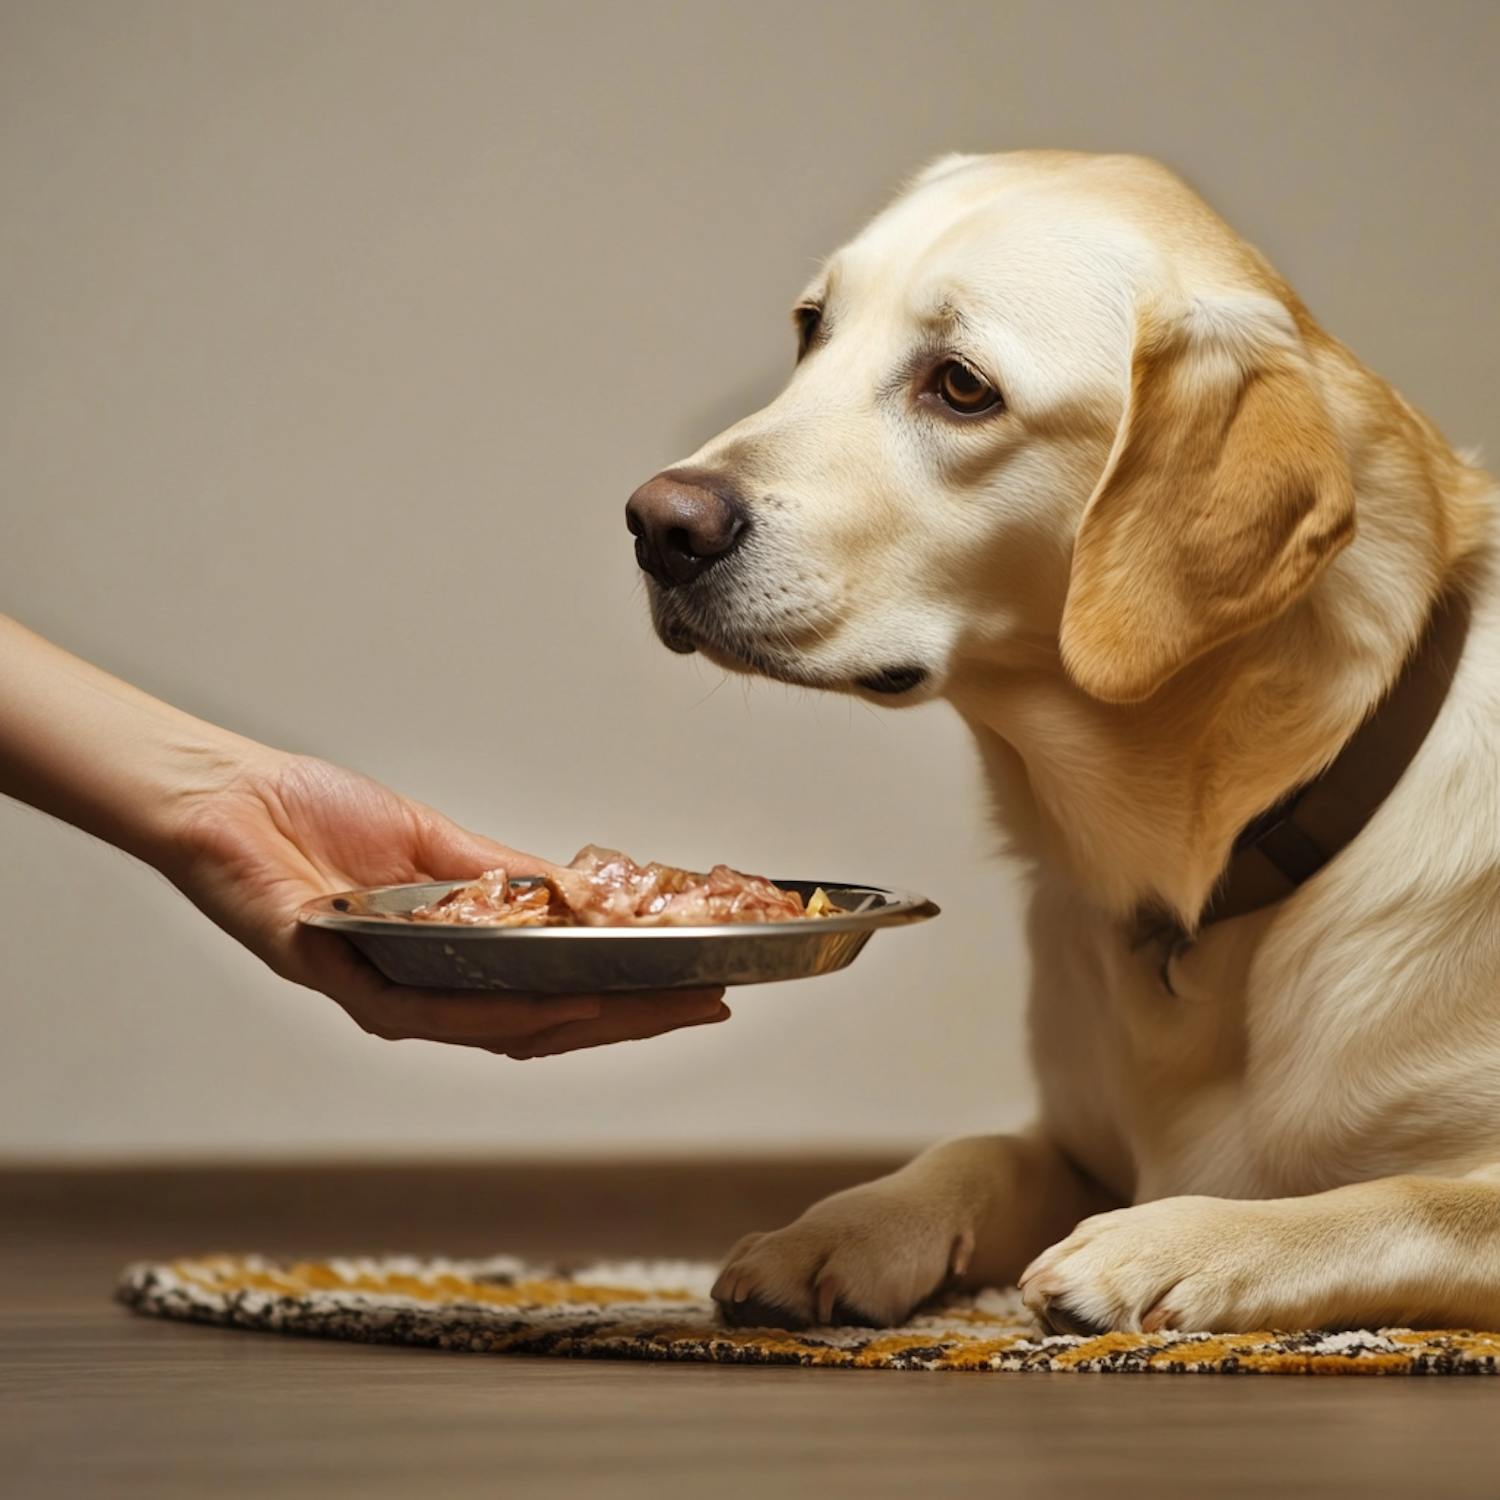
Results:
[702, 1005]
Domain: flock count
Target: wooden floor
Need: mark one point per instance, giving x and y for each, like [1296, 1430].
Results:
[97, 1402]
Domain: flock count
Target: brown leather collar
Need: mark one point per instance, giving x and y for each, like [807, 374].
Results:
[1289, 843]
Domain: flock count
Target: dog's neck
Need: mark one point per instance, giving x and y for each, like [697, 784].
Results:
[1287, 845]
[1141, 805]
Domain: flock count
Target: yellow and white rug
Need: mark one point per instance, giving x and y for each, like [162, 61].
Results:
[660, 1310]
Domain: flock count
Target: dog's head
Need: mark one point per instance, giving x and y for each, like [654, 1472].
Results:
[1045, 405]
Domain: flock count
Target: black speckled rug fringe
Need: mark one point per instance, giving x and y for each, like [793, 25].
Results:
[660, 1310]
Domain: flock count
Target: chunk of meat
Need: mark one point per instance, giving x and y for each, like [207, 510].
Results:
[604, 888]
[491, 901]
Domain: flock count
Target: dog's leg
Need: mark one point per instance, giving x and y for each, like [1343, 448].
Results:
[972, 1210]
[1394, 1252]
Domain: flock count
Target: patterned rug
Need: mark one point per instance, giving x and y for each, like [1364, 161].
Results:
[660, 1310]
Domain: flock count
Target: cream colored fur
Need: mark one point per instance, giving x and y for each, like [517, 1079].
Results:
[1163, 585]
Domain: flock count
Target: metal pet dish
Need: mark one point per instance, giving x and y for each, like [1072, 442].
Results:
[439, 955]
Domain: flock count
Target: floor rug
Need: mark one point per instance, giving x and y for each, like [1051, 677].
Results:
[660, 1310]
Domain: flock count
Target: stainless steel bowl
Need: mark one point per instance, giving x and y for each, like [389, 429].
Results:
[581, 960]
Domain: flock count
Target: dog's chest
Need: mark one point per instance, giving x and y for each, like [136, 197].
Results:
[1141, 1052]
[1244, 1066]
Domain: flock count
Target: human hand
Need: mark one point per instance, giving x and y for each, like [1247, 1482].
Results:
[285, 829]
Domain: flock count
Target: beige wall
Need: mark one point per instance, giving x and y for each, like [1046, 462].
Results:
[335, 336]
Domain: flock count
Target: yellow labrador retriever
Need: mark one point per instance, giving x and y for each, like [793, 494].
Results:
[1221, 610]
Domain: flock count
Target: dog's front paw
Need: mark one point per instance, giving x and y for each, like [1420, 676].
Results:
[862, 1257]
[1194, 1264]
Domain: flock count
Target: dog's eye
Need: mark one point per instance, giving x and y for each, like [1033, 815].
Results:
[959, 388]
[807, 319]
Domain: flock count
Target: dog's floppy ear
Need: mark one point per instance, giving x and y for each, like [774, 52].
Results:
[1225, 496]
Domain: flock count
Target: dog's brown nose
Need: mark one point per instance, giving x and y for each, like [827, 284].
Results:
[684, 521]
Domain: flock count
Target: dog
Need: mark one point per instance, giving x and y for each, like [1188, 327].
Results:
[1221, 611]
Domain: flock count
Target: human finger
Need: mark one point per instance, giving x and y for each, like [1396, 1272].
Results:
[513, 1023]
[475, 1018]
[625, 1019]
[469, 1018]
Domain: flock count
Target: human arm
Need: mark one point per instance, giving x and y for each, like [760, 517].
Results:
[249, 833]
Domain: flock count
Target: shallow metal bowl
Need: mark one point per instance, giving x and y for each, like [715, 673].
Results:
[579, 960]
